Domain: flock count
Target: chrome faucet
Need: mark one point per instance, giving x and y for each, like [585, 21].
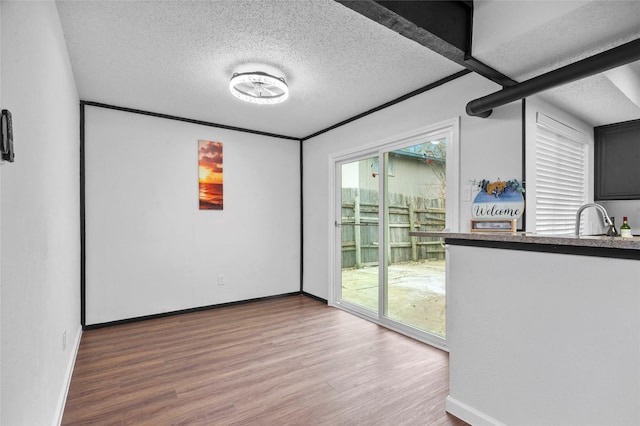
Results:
[605, 216]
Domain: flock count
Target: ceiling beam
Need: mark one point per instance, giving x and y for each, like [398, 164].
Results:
[444, 27]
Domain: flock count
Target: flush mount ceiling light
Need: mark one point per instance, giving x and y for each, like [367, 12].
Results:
[259, 87]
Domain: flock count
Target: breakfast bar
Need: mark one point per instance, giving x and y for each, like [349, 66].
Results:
[535, 324]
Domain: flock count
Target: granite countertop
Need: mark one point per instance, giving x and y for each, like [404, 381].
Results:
[596, 241]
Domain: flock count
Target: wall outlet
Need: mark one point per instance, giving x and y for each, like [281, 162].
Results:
[220, 279]
[64, 340]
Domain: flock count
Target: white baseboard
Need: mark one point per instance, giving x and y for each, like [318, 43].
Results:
[62, 400]
[469, 414]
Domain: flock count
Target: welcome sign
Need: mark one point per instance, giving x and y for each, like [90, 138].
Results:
[498, 201]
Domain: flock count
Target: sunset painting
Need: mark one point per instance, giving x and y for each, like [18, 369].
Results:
[210, 175]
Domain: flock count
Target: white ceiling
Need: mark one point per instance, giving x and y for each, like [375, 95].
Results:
[524, 39]
[176, 57]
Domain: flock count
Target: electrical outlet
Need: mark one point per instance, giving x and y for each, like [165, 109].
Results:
[220, 279]
[64, 340]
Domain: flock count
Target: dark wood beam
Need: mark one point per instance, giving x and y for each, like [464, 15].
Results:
[449, 22]
[444, 27]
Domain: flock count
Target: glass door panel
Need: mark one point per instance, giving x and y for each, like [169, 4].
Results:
[360, 245]
[415, 195]
[381, 195]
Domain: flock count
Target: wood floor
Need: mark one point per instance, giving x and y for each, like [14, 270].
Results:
[285, 361]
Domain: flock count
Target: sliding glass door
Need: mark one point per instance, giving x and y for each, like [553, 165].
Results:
[381, 198]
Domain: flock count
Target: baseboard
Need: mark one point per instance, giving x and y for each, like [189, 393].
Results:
[469, 414]
[67, 382]
[185, 311]
[313, 296]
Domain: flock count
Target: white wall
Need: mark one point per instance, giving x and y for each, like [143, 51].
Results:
[621, 208]
[1, 163]
[545, 339]
[40, 229]
[151, 250]
[489, 148]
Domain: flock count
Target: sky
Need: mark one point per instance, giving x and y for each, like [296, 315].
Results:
[210, 162]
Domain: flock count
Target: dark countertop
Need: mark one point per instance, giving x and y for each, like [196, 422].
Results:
[600, 246]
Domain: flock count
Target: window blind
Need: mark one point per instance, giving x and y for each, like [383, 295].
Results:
[561, 181]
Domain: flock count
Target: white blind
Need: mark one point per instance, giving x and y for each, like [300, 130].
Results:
[561, 181]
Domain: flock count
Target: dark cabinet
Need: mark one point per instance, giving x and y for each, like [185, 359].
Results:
[617, 161]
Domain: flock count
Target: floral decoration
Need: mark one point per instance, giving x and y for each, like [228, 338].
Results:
[498, 187]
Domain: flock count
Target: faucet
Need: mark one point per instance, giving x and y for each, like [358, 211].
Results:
[605, 216]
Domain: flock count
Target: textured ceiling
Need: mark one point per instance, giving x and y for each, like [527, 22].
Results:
[176, 57]
[541, 36]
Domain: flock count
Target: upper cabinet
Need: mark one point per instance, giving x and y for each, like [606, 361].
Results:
[617, 161]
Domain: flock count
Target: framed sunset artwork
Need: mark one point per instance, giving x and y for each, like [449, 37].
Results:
[210, 175]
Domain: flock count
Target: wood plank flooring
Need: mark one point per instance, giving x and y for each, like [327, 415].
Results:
[284, 361]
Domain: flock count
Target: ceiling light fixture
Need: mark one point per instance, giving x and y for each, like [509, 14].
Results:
[259, 87]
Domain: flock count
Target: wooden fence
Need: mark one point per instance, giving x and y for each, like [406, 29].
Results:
[360, 239]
